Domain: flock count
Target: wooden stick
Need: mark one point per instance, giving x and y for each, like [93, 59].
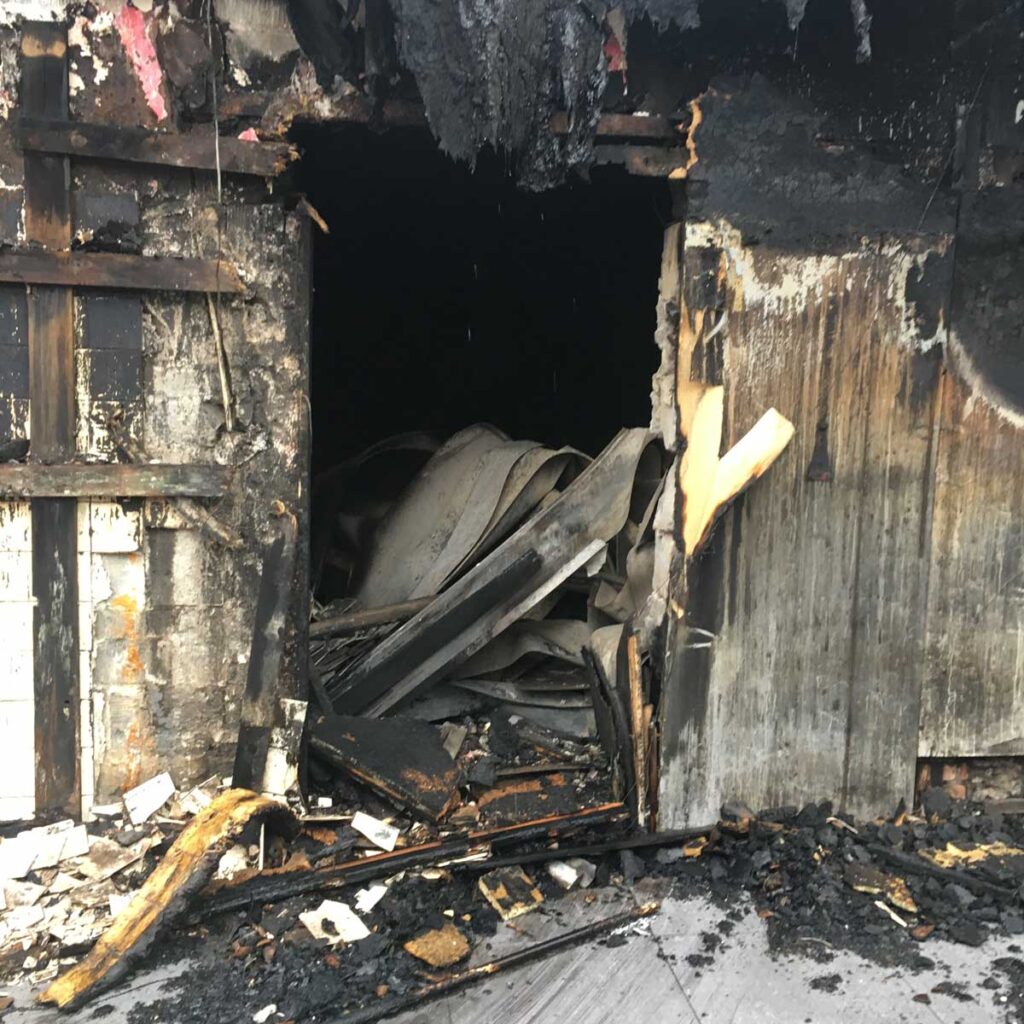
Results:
[354, 622]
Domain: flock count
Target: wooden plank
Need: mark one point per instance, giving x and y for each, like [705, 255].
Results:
[627, 126]
[643, 161]
[973, 700]
[116, 270]
[196, 150]
[261, 700]
[805, 682]
[44, 81]
[112, 480]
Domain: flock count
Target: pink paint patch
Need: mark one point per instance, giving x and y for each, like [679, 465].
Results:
[131, 27]
[249, 135]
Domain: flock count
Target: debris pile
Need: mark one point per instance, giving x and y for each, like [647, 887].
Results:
[954, 871]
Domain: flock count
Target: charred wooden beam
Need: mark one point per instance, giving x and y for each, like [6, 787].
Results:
[643, 161]
[164, 896]
[626, 126]
[402, 758]
[201, 151]
[116, 270]
[355, 622]
[51, 344]
[386, 677]
[111, 480]
[261, 701]
[275, 885]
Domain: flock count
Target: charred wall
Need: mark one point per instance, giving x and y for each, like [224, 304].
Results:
[165, 610]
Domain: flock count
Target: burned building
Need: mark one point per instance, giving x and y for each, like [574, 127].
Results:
[284, 286]
[766, 164]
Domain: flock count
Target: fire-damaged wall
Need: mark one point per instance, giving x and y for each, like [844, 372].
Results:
[166, 607]
[848, 250]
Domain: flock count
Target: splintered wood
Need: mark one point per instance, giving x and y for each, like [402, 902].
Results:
[707, 482]
[187, 866]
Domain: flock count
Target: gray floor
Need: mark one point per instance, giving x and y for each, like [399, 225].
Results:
[648, 980]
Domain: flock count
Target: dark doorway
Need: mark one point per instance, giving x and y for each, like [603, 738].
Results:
[445, 296]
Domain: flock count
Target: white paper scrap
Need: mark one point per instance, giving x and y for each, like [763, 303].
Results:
[42, 847]
[262, 1016]
[380, 833]
[367, 899]
[144, 801]
[118, 901]
[342, 924]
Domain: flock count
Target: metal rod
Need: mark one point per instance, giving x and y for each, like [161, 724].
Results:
[389, 1006]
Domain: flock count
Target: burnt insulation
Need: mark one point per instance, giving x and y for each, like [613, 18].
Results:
[491, 74]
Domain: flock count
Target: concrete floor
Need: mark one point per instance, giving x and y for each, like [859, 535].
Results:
[647, 980]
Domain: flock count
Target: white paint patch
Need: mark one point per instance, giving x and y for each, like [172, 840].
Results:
[30, 10]
[1018, 115]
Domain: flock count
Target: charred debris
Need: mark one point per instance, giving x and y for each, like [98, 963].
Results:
[477, 747]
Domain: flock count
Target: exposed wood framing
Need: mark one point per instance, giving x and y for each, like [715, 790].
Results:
[114, 270]
[52, 397]
[196, 150]
[112, 480]
[644, 161]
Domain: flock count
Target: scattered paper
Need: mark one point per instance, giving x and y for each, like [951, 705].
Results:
[106, 858]
[572, 872]
[380, 833]
[106, 810]
[118, 901]
[262, 1016]
[564, 874]
[586, 871]
[234, 860]
[142, 802]
[335, 922]
[22, 894]
[199, 797]
[43, 847]
[367, 899]
[324, 801]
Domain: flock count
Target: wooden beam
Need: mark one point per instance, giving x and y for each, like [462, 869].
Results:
[196, 150]
[644, 161]
[112, 480]
[116, 270]
[51, 340]
[626, 126]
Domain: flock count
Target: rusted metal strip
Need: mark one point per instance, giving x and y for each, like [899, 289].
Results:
[44, 93]
[201, 151]
[116, 270]
[112, 480]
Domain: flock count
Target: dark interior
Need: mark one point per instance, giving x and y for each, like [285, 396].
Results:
[444, 296]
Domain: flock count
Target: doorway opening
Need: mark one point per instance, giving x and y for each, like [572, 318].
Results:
[445, 297]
